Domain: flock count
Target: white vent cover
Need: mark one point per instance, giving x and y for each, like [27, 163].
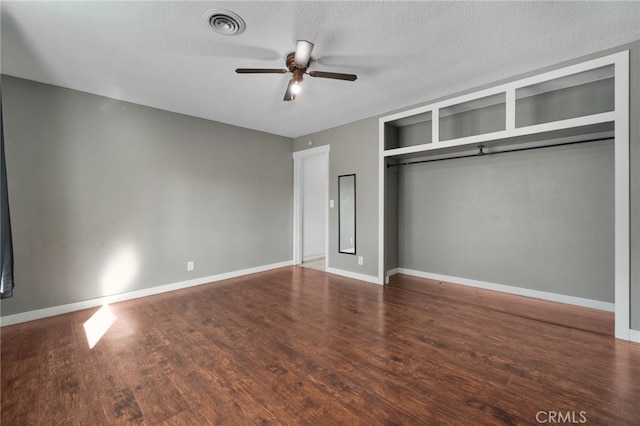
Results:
[225, 22]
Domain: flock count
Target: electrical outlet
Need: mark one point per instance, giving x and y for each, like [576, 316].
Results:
[191, 265]
[331, 204]
[360, 260]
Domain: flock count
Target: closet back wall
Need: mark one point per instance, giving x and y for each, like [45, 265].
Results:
[541, 219]
[108, 197]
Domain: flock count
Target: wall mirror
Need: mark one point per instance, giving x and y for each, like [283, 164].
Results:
[347, 214]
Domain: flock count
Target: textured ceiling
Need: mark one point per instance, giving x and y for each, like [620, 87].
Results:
[163, 54]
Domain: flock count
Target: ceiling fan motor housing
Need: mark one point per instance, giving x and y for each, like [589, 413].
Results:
[291, 63]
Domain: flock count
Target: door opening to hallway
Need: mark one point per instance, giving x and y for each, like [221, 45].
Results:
[314, 190]
[311, 207]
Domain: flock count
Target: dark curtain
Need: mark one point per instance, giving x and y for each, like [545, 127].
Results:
[6, 285]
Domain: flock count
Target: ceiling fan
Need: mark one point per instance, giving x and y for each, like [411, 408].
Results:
[297, 63]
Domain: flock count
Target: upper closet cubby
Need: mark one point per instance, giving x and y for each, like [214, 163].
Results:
[571, 103]
[408, 131]
[475, 117]
[577, 95]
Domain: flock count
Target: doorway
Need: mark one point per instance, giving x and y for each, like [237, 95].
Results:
[311, 195]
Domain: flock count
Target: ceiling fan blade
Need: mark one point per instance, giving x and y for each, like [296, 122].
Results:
[261, 71]
[289, 95]
[303, 53]
[334, 75]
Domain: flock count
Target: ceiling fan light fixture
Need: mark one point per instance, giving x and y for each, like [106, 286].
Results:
[295, 89]
[225, 22]
[302, 55]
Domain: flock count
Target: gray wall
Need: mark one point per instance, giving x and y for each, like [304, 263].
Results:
[354, 149]
[108, 196]
[541, 220]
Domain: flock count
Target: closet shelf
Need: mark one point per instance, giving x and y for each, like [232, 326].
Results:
[572, 130]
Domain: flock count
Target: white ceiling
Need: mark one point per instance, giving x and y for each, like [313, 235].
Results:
[163, 54]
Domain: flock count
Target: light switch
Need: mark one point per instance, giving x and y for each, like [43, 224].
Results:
[331, 204]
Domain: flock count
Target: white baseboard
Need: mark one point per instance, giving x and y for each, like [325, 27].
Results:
[391, 272]
[634, 336]
[312, 257]
[537, 294]
[354, 275]
[85, 304]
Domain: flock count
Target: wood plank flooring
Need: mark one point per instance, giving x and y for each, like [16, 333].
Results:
[302, 347]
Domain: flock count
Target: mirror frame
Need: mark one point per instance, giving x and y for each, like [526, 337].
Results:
[340, 219]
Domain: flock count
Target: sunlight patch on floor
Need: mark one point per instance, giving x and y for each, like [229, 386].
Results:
[99, 323]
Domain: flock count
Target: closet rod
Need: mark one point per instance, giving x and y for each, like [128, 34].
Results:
[481, 153]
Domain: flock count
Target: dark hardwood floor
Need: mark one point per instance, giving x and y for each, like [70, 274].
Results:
[298, 346]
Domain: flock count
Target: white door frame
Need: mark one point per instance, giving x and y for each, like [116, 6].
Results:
[298, 158]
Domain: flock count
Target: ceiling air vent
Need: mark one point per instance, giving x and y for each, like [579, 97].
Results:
[225, 22]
